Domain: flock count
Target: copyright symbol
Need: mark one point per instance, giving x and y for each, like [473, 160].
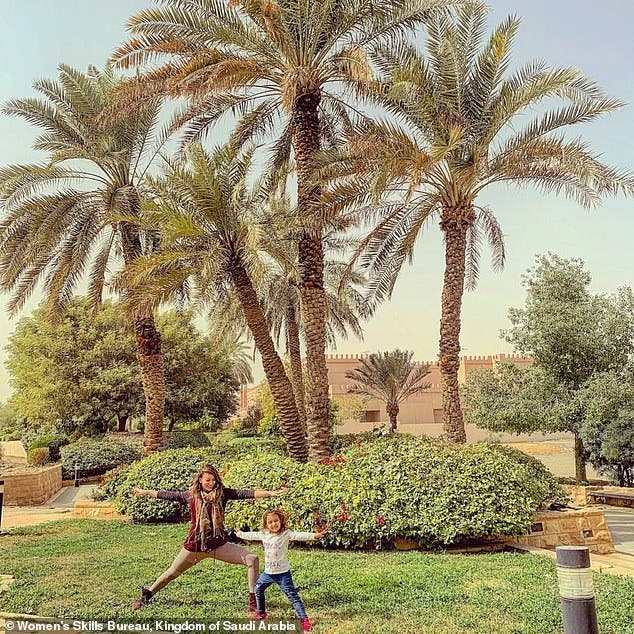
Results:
[9, 625]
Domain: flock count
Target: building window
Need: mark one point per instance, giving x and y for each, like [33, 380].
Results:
[371, 416]
[438, 416]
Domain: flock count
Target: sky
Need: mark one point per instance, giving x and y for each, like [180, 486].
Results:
[591, 35]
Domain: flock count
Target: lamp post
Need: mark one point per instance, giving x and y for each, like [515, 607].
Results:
[76, 474]
[576, 590]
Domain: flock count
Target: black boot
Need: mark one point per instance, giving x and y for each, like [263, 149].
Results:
[146, 595]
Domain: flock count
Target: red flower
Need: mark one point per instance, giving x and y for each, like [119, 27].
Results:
[344, 507]
[380, 520]
[342, 517]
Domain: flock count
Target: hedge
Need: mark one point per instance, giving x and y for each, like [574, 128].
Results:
[52, 442]
[95, 457]
[374, 491]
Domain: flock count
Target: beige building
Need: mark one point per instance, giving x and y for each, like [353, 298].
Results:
[419, 414]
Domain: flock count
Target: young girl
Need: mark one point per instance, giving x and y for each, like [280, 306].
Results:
[206, 498]
[275, 538]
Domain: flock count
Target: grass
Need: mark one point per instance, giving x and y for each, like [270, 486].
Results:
[83, 569]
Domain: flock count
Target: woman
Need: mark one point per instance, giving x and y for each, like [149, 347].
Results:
[206, 498]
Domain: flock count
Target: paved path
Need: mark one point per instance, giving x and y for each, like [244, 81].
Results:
[60, 506]
[621, 523]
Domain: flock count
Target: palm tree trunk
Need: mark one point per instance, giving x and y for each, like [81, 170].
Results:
[580, 461]
[295, 354]
[454, 224]
[306, 143]
[281, 388]
[148, 354]
[392, 412]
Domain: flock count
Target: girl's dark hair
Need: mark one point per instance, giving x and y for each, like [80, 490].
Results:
[281, 514]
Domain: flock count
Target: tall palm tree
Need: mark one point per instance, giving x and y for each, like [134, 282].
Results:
[211, 225]
[462, 126]
[289, 69]
[73, 215]
[390, 377]
[346, 308]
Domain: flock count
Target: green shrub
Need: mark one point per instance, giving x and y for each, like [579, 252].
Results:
[401, 486]
[95, 457]
[339, 442]
[110, 483]
[171, 470]
[374, 491]
[38, 456]
[53, 442]
[187, 438]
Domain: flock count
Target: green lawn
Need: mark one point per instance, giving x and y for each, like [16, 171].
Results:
[93, 570]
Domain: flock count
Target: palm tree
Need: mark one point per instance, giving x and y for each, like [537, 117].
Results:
[212, 229]
[73, 215]
[463, 127]
[346, 306]
[390, 377]
[288, 69]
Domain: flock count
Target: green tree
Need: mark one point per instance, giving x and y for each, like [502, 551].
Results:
[608, 426]
[80, 372]
[212, 226]
[289, 70]
[570, 333]
[390, 377]
[76, 372]
[73, 215]
[462, 127]
[200, 374]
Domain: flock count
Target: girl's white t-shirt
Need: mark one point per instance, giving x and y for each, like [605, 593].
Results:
[276, 547]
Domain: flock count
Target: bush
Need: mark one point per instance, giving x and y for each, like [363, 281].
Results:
[38, 456]
[110, 483]
[170, 470]
[401, 486]
[95, 457]
[374, 491]
[187, 438]
[53, 442]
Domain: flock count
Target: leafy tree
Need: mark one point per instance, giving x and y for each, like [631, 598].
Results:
[573, 336]
[289, 70]
[463, 126]
[76, 372]
[200, 376]
[515, 400]
[390, 377]
[72, 216]
[9, 423]
[213, 229]
[608, 426]
[80, 372]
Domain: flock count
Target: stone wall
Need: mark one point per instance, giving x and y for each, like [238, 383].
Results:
[579, 493]
[13, 451]
[96, 510]
[583, 527]
[27, 487]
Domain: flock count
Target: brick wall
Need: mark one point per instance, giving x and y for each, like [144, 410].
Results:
[32, 487]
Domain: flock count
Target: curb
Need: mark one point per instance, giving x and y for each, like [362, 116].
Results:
[621, 564]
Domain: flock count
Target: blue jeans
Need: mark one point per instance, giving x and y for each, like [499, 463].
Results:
[285, 582]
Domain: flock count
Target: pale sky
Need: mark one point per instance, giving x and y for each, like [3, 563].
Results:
[592, 35]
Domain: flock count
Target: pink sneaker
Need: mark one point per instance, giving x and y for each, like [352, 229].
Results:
[305, 624]
[259, 615]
